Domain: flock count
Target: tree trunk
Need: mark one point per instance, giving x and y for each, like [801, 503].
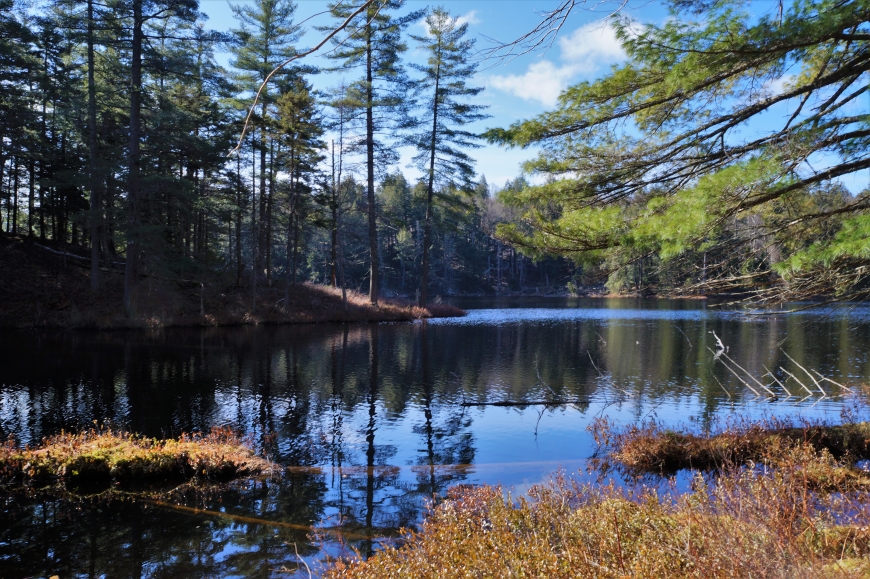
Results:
[334, 249]
[239, 220]
[295, 240]
[95, 205]
[255, 235]
[14, 216]
[133, 249]
[31, 194]
[291, 202]
[370, 166]
[268, 233]
[427, 227]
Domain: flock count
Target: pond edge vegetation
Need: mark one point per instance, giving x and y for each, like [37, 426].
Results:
[772, 499]
[105, 457]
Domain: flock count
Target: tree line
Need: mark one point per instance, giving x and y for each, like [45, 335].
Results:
[116, 121]
[708, 161]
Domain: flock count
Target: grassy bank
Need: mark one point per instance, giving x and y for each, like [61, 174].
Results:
[107, 457]
[796, 512]
[49, 287]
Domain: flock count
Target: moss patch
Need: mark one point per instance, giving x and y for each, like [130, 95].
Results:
[105, 457]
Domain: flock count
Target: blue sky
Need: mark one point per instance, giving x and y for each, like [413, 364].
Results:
[515, 90]
[527, 85]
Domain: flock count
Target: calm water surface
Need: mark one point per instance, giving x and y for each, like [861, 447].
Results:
[375, 420]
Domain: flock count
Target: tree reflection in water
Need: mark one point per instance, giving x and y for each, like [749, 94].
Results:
[368, 419]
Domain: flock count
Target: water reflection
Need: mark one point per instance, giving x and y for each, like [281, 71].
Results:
[372, 418]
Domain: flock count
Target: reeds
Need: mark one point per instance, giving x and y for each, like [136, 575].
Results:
[105, 456]
[806, 516]
[651, 448]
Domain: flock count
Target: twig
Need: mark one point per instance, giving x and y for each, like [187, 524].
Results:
[593, 364]
[819, 386]
[781, 385]
[684, 335]
[723, 387]
[298, 556]
[541, 380]
[798, 381]
[736, 375]
[832, 382]
[748, 373]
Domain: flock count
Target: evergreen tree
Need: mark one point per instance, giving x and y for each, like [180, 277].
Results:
[442, 137]
[681, 153]
[302, 128]
[374, 47]
[265, 39]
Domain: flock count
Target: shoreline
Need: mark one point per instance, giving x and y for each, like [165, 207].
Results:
[43, 288]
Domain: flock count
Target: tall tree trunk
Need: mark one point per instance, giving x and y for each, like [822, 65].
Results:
[370, 166]
[333, 253]
[295, 241]
[14, 215]
[239, 220]
[427, 227]
[269, 212]
[133, 249]
[255, 235]
[261, 230]
[336, 184]
[291, 203]
[95, 205]
[31, 194]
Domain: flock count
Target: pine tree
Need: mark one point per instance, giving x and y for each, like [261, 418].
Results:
[302, 129]
[374, 47]
[442, 135]
[265, 39]
[683, 152]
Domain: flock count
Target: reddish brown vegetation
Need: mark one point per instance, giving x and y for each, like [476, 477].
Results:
[800, 512]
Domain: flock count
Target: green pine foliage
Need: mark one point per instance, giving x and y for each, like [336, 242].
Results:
[713, 151]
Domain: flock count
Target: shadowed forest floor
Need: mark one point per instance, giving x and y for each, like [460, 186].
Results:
[43, 286]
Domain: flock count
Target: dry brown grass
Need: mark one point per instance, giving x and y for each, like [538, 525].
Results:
[796, 511]
[826, 454]
[105, 456]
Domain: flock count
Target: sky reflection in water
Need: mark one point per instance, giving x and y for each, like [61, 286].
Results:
[371, 418]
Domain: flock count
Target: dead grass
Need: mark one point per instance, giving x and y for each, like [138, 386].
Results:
[825, 454]
[106, 456]
[749, 526]
[786, 501]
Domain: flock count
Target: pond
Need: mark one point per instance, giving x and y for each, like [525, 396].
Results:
[373, 421]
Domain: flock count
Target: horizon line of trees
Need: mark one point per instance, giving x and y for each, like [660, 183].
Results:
[116, 120]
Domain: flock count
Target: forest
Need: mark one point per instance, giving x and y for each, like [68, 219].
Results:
[125, 143]
[120, 142]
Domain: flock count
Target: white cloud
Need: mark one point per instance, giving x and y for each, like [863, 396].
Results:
[584, 51]
[542, 82]
[779, 85]
[592, 46]
[471, 19]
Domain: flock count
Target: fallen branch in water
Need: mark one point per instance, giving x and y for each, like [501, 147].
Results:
[511, 403]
